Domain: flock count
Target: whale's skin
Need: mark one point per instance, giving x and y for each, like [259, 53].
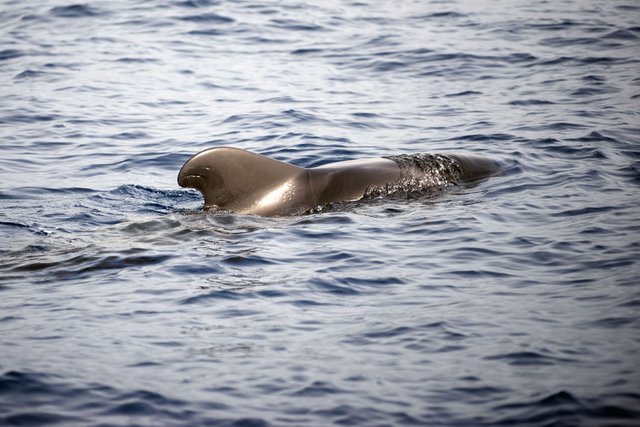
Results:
[240, 181]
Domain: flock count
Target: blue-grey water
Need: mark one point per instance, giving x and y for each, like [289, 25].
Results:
[511, 302]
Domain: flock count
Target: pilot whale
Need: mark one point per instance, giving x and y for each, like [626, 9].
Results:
[244, 182]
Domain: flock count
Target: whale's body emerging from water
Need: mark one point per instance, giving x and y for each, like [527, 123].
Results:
[248, 183]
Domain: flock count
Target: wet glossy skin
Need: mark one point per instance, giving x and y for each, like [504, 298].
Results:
[248, 183]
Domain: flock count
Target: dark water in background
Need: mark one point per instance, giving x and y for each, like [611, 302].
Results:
[514, 302]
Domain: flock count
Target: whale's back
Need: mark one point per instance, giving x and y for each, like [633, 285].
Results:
[248, 183]
[474, 168]
[433, 170]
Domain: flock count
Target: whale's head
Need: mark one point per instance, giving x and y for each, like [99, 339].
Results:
[204, 173]
[241, 181]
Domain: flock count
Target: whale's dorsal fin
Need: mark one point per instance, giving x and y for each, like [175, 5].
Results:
[237, 180]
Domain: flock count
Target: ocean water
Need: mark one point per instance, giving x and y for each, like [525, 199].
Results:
[511, 302]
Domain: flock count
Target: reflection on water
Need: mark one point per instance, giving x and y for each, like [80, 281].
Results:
[509, 302]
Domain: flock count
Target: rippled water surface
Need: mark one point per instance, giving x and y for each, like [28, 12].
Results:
[511, 302]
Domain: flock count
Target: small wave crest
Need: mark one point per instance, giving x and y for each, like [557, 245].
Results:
[75, 11]
[28, 398]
